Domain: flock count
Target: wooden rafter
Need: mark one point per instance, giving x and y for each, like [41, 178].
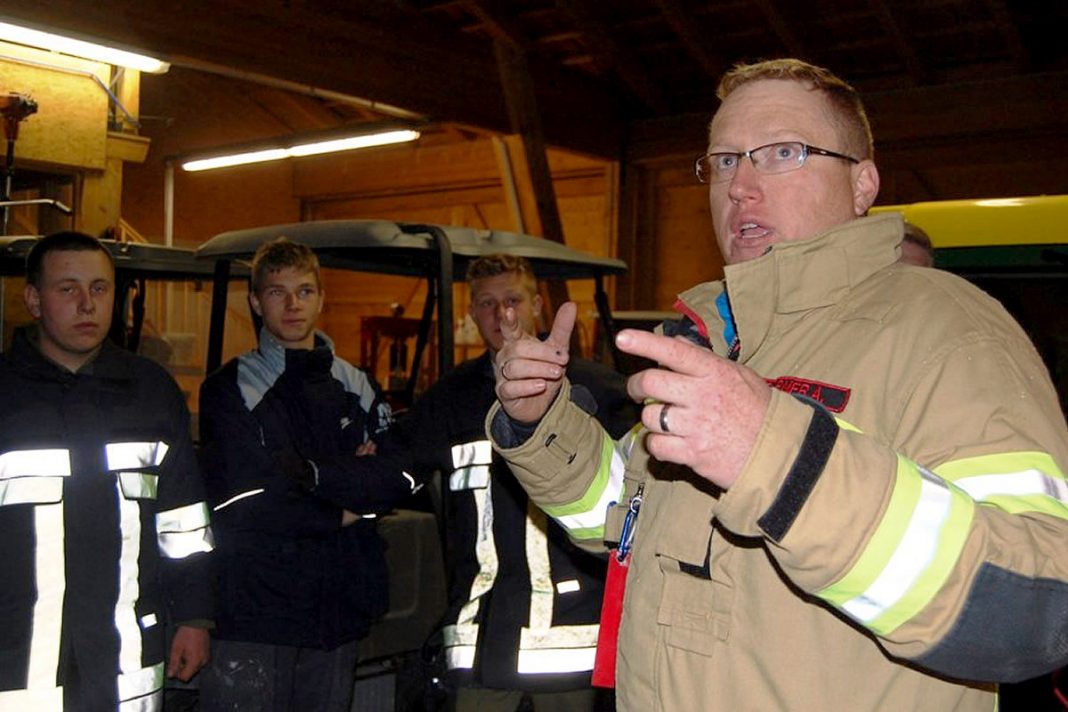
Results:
[688, 29]
[583, 14]
[782, 29]
[916, 71]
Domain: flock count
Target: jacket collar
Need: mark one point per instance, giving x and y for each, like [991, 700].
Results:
[278, 358]
[27, 357]
[796, 277]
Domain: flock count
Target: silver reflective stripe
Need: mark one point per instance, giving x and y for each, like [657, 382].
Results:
[460, 638]
[564, 648]
[476, 452]
[569, 586]
[50, 564]
[912, 555]
[35, 463]
[33, 476]
[126, 624]
[541, 580]
[460, 645]
[31, 490]
[238, 498]
[39, 698]
[549, 661]
[184, 531]
[470, 464]
[152, 703]
[135, 455]
[141, 690]
[474, 477]
[139, 485]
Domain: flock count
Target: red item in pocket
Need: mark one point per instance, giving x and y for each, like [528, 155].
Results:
[604, 665]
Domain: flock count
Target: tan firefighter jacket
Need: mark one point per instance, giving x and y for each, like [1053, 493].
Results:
[909, 533]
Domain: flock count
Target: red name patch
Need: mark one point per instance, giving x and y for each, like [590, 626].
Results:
[833, 398]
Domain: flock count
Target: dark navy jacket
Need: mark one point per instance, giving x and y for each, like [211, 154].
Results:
[289, 573]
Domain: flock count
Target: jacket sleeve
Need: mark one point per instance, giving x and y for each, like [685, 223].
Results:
[246, 487]
[946, 539]
[372, 484]
[570, 466]
[183, 527]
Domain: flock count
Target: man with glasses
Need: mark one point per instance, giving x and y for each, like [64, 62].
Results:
[851, 491]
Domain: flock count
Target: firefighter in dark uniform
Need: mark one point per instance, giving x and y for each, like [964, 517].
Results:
[104, 532]
[524, 601]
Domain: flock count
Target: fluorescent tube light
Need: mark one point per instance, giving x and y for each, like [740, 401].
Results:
[78, 48]
[305, 149]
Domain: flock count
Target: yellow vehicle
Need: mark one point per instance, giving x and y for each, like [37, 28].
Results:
[1016, 250]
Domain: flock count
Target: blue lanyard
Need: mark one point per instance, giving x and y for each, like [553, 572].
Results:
[626, 538]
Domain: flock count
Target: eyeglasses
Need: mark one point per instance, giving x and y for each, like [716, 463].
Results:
[772, 158]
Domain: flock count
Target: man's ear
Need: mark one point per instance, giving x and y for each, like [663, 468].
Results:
[254, 302]
[32, 298]
[322, 300]
[865, 186]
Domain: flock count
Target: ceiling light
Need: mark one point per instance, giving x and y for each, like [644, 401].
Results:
[78, 48]
[333, 145]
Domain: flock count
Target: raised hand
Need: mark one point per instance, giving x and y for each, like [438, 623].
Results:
[530, 372]
[707, 410]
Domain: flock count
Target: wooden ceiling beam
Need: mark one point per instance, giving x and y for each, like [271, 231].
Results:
[782, 29]
[694, 41]
[583, 14]
[913, 66]
[447, 79]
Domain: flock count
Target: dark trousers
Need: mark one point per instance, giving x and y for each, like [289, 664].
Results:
[256, 677]
[472, 699]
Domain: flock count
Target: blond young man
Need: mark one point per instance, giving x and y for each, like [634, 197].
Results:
[302, 573]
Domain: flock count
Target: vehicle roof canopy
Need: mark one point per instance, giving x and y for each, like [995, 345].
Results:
[134, 258]
[409, 249]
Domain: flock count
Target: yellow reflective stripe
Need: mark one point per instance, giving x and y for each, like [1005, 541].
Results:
[846, 425]
[137, 688]
[130, 644]
[139, 485]
[1013, 481]
[135, 455]
[184, 531]
[53, 462]
[910, 555]
[541, 581]
[51, 584]
[584, 518]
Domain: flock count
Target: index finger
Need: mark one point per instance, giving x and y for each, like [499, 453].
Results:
[678, 355]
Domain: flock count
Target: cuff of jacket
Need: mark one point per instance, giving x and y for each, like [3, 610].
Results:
[791, 450]
[548, 462]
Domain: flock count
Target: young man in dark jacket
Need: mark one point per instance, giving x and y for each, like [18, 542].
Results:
[524, 602]
[104, 532]
[301, 574]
